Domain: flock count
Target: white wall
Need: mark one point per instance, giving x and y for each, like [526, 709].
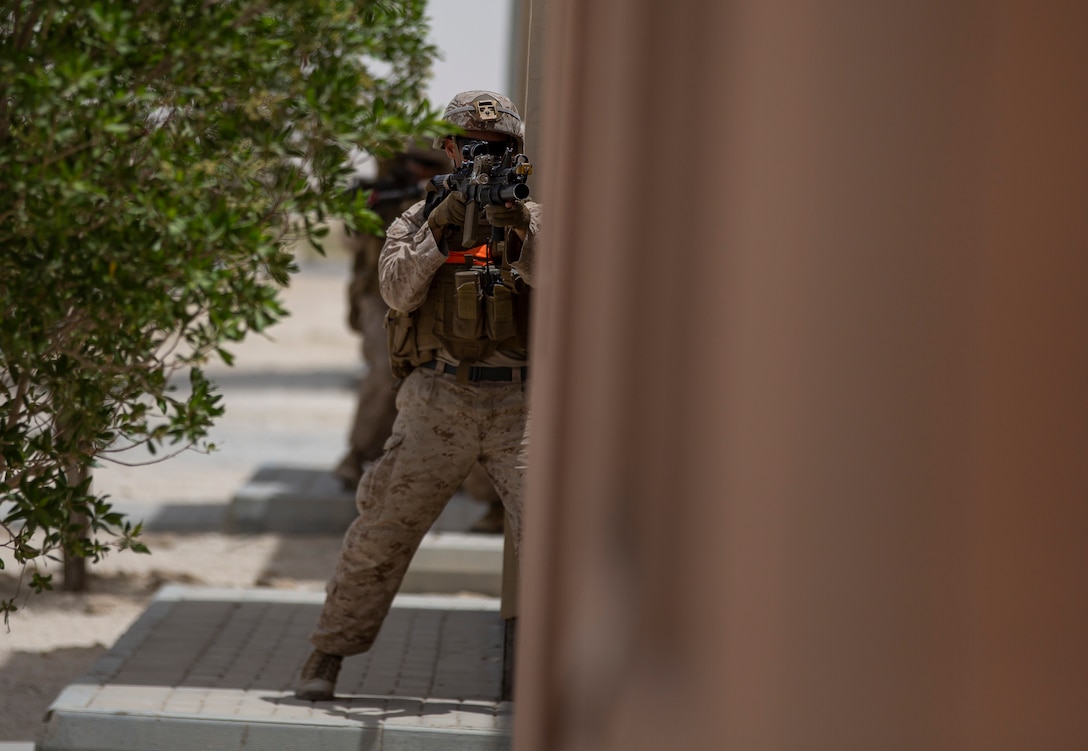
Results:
[474, 39]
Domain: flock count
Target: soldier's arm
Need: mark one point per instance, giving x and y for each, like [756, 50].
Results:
[408, 261]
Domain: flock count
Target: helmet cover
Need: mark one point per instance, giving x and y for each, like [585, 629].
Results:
[486, 111]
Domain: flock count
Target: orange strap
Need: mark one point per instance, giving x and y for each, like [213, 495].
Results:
[479, 253]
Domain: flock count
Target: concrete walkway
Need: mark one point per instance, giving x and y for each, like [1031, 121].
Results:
[214, 669]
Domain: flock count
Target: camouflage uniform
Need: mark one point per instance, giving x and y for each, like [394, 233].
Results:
[396, 189]
[375, 408]
[446, 422]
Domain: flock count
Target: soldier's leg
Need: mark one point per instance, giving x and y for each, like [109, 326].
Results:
[399, 498]
[377, 390]
[375, 403]
[479, 487]
[502, 454]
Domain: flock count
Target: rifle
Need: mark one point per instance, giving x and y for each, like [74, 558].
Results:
[486, 179]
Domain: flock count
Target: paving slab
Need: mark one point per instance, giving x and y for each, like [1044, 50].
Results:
[214, 669]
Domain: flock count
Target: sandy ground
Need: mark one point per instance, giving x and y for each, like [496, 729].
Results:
[288, 398]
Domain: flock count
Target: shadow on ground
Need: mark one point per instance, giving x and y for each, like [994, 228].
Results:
[29, 681]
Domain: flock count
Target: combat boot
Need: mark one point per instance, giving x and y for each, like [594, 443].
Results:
[490, 523]
[317, 682]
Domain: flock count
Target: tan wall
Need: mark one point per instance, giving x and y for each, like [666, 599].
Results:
[810, 396]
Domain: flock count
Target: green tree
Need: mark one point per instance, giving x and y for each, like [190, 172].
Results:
[155, 155]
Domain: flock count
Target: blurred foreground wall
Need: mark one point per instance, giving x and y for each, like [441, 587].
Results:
[810, 412]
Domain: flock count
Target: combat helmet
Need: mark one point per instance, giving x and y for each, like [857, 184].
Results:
[484, 110]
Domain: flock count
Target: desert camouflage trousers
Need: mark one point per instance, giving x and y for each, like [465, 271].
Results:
[442, 428]
[375, 408]
[375, 404]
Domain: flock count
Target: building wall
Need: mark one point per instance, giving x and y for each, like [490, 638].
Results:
[810, 389]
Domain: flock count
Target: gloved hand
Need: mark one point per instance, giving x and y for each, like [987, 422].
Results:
[515, 216]
[449, 213]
